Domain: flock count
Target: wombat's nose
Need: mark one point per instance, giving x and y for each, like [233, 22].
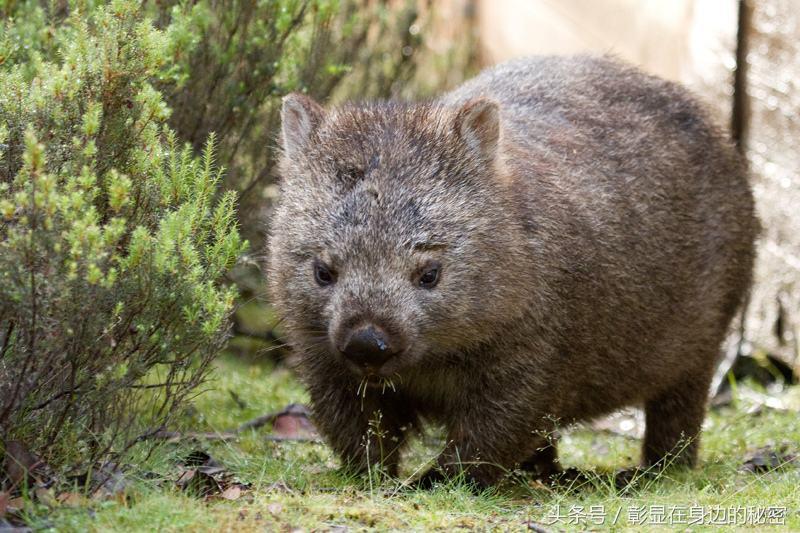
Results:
[368, 347]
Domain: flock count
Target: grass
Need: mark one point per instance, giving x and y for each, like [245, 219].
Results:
[296, 485]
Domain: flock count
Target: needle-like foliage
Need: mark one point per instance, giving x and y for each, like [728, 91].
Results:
[114, 240]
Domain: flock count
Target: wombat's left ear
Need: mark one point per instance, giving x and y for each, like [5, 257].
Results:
[478, 125]
[300, 116]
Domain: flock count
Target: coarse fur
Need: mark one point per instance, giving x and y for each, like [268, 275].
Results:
[594, 232]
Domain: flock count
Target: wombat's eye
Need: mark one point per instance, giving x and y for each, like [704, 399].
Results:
[430, 276]
[323, 275]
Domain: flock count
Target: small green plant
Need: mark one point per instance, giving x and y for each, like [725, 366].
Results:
[114, 240]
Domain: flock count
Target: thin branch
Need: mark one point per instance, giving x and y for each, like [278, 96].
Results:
[7, 339]
[255, 423]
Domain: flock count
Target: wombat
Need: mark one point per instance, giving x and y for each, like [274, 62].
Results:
[553, 240]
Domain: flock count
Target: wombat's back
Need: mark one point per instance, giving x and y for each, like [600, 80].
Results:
[635, 202]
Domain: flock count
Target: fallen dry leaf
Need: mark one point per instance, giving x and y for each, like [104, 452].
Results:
[11, 519]
[234, 492]
[199, 483]
[45, 496]
[23, 467]
[278, 486]
[293, 423]
[71, 499]
[538, 528]
[768, 458]
[205, 477]
[15, 505]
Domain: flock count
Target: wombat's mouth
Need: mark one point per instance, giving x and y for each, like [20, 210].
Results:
[381, 384]
[378, 382]
[367, 373]
[383, 376]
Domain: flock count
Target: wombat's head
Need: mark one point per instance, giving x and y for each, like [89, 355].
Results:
[391, 246]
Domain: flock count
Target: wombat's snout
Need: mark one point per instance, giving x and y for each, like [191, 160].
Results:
[368, 347]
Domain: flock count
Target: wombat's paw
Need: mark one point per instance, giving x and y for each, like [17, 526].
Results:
[569, 478]
[435, 477]
[632, 478]
[429, 479]
[541, 469]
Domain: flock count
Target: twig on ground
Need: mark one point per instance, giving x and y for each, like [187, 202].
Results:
[291, 410]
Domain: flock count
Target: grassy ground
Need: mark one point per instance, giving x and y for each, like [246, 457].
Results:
[296, 486]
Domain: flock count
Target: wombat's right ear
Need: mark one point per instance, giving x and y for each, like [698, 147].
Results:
[478, 124]
[300, 116]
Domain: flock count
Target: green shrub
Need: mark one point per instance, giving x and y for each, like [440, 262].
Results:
[113, 237]
[227, 63]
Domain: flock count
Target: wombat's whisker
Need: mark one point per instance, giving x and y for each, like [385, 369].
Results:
[385, 382]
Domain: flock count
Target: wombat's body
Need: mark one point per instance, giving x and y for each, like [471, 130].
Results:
[554, 240]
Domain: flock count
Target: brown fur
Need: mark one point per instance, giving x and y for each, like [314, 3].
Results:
[595, 232]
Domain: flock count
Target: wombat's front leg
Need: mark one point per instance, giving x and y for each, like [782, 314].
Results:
[544, 463]
[363, 427]
[486, 445]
